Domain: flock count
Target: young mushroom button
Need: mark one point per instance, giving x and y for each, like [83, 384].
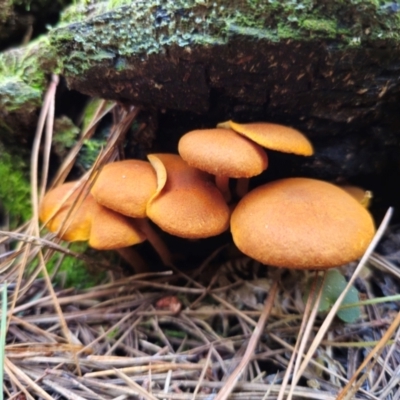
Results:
[301, 223]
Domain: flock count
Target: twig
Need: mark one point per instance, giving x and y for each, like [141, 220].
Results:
[3, 328]
[310, 323]
[348, 391]
[231, 382]
[296, 352]
[203, 373]
[328, 320]
[133, 385]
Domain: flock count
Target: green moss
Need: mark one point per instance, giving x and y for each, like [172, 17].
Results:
[14, 188]
[326, 26]
[175, 334]
[90, 110]
[74, 272]
[113, 333]
[121, 28]
[65, 136]
[111, 4]
[15, 94]
[91, 147]
[90, 151]
[30, 63]
[23, 76]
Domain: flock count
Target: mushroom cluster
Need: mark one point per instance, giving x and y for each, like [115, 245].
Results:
[182, 200]
[294, 222]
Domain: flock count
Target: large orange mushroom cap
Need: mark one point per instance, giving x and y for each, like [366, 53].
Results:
[274, 137]
[187, 203]
[301, 223]
[126, 187]
[222, 152]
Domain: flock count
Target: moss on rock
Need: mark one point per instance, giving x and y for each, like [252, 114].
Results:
[65, 136]
[121, 28]
[173, 53]
[28, 65]
[23, 78]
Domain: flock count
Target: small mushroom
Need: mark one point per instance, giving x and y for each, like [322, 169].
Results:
[187, 203]
[223, 153]
[301, 223]
[76, 216]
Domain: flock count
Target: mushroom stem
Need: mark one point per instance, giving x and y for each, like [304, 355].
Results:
[155, 240]
[222, 183]
[134, 259]
[242, 187]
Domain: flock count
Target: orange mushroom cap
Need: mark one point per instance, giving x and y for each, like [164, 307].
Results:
[222, 152]
[187, 203]
[301, 223]
[126, 187]
[110, 230]
[55, 212]
[87, 220]
[273, 136]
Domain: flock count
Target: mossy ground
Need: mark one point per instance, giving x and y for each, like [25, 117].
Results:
[71, 272]
[14, 188]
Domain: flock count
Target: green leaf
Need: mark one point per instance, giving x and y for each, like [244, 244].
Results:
[333, 287]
